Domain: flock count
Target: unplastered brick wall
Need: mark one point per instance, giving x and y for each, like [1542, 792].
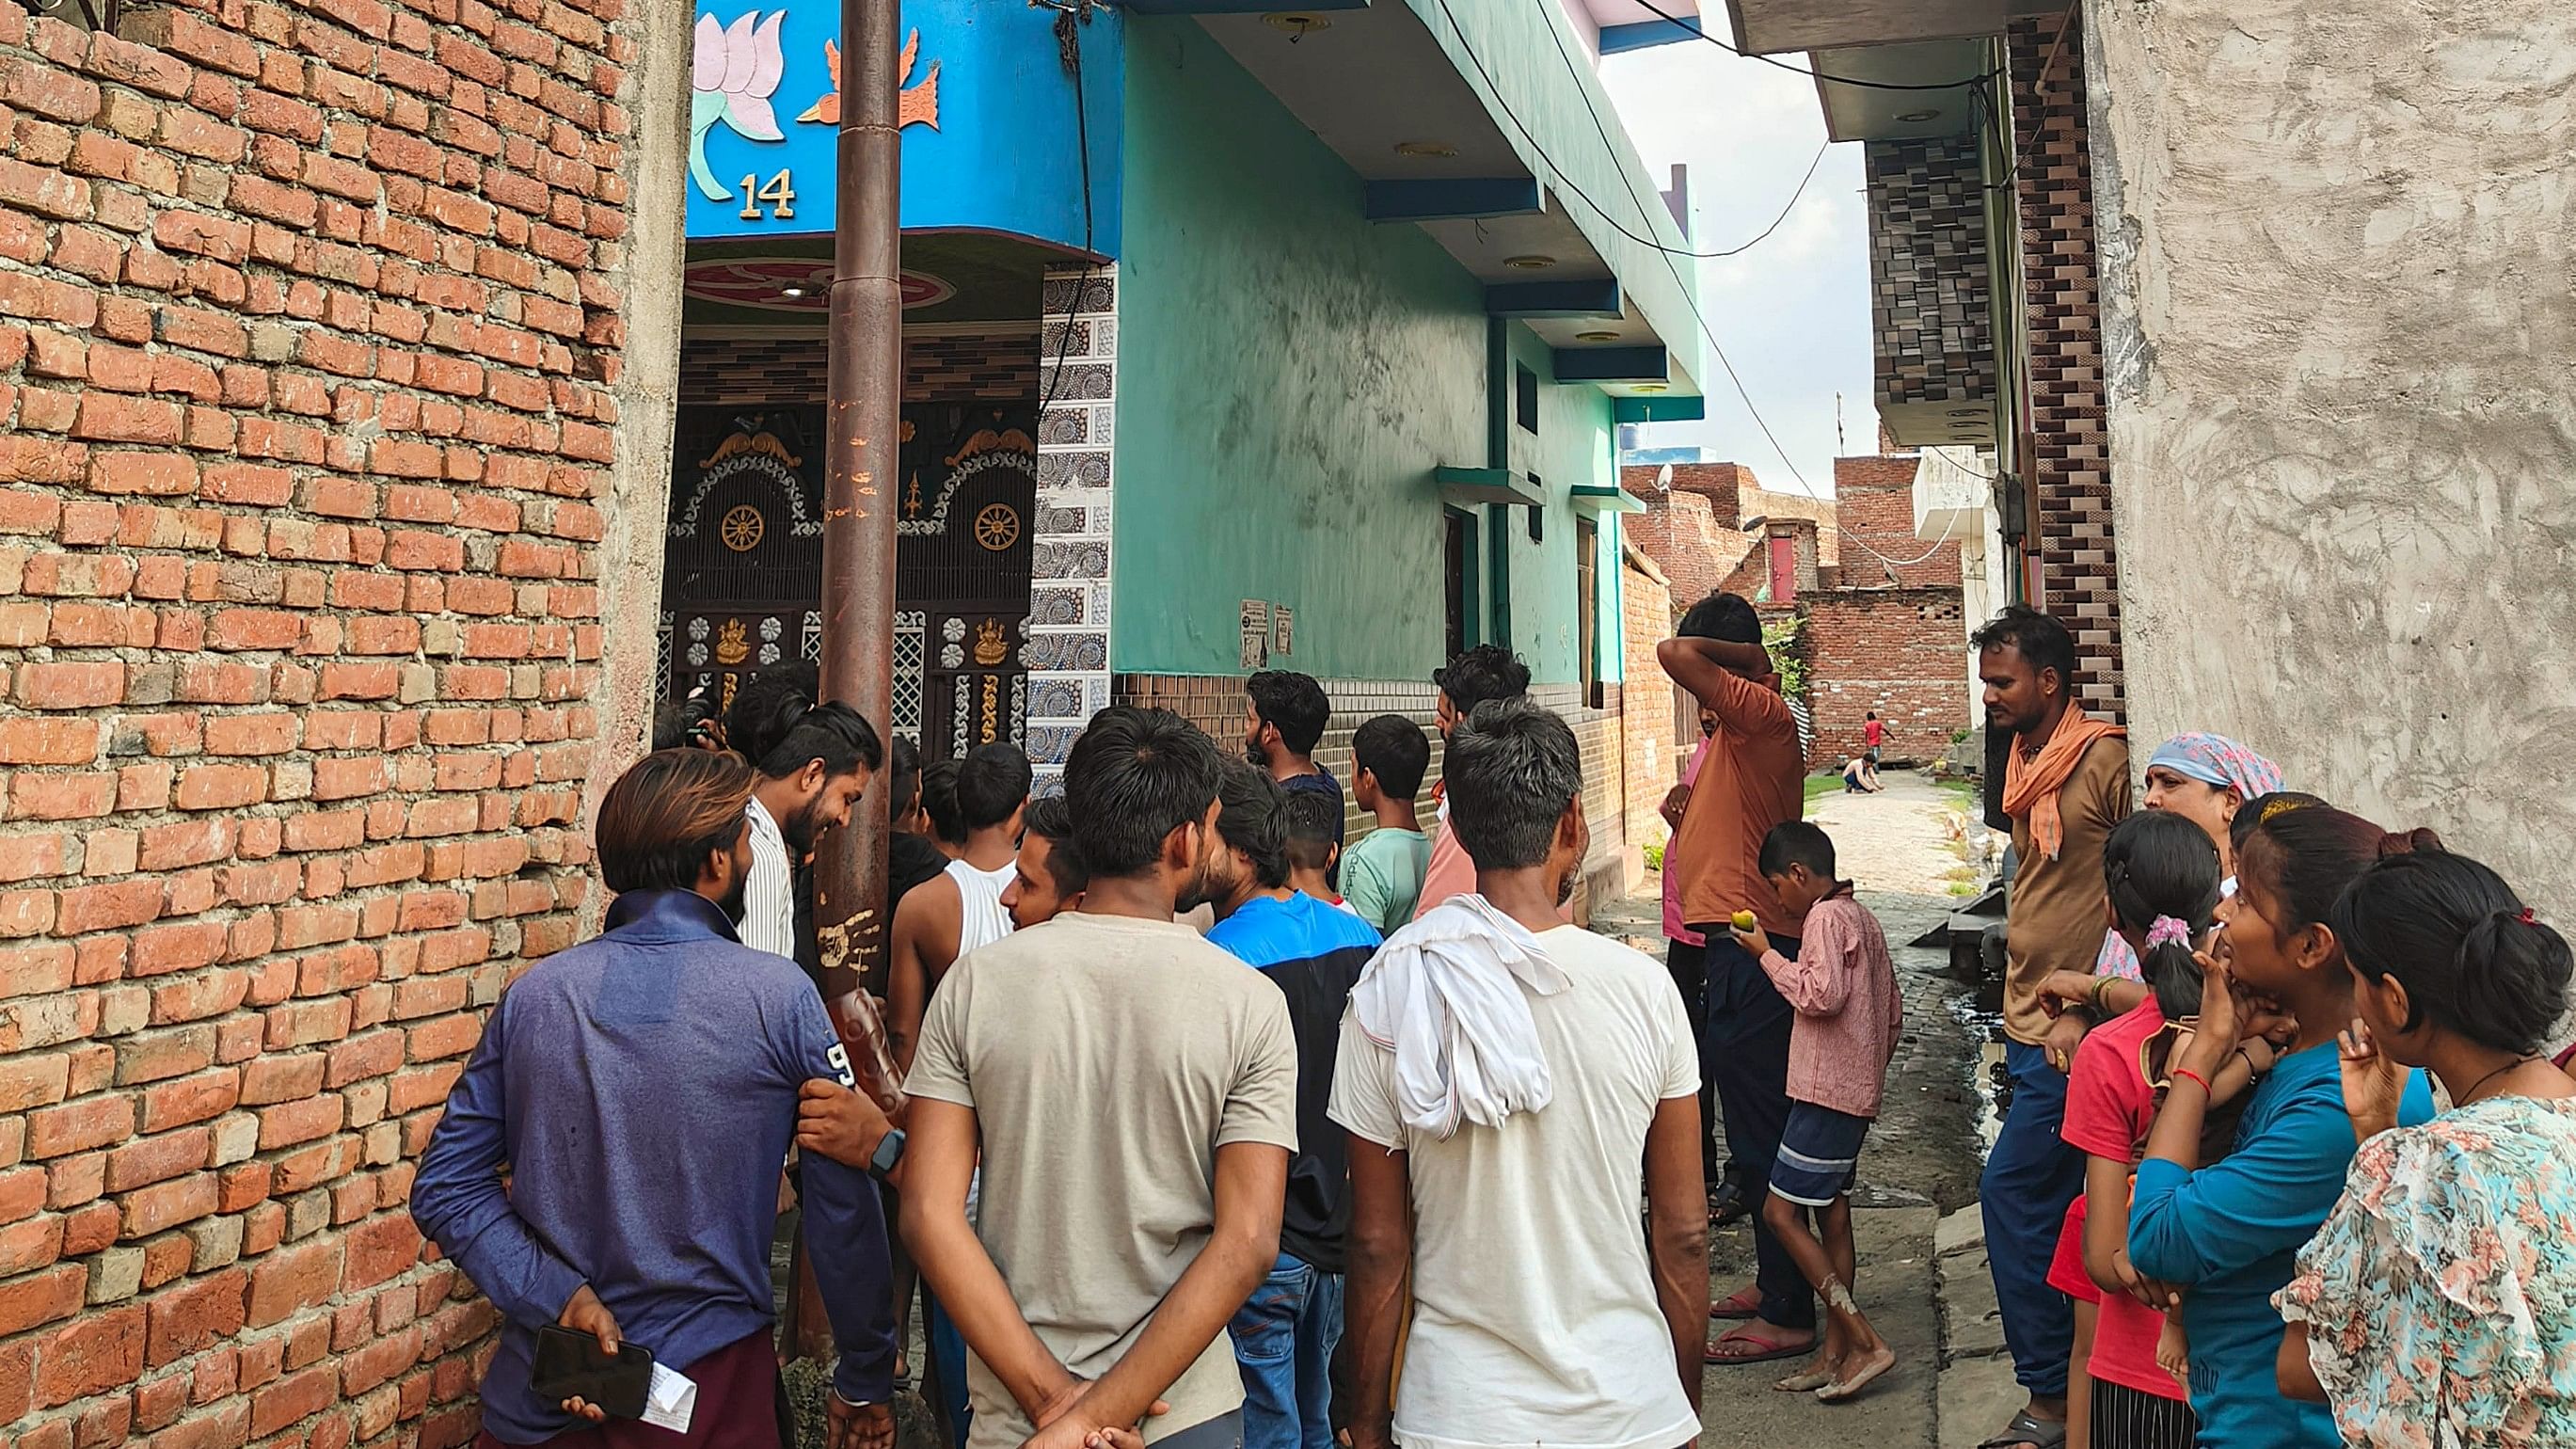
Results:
[1896, 651]
[311, 330]
[1650, 755]
[2070, 463]
[1874, 503]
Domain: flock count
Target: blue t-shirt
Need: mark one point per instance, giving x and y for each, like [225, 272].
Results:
[1313, 953]
[2229, 1236]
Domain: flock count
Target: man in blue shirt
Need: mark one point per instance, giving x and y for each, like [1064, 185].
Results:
[1285, 1335]
[642, 1090]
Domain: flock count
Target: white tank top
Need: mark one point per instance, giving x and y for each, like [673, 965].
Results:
[983, 919]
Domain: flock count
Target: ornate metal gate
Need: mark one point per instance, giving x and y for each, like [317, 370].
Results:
[744, 568]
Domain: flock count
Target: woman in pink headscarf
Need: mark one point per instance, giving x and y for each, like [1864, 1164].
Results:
[2206, 779]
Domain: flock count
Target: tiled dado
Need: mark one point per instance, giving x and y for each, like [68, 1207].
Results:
[1068, 633]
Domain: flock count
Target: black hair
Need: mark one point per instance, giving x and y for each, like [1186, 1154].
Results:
[903, 775]
[1724, 616]
[1513, 768]
[670, 725]
[1488, 671]
[1295, 703]
[2303, 859]
[992, 781]
[1312, 822]
[1797, 842]
[939, 801]
[2251, 813]
[1873, 714]
[831, 732]
[1050, 820]
[767, 705]
[1133, 777]
[2038, 638]
[2473, 959]
[1252, 816]
[1394, 749]
[2158, 865]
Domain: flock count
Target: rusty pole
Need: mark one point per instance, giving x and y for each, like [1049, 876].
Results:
[861, 419]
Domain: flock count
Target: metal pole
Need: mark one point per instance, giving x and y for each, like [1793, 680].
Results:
[861, 423]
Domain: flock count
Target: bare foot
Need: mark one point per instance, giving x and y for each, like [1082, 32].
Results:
[2173, 1351]
[1858, 1370]
[1818, 1373]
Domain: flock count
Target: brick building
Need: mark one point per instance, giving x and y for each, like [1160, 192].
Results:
[317, 407]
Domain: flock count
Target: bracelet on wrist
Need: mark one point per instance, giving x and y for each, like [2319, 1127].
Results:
[2188, 1075]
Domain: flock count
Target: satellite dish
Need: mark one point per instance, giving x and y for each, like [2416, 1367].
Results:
[1664, 479]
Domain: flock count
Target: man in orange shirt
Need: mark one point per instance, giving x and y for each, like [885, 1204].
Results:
[1751, 779]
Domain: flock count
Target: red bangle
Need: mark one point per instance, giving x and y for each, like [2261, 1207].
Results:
[2206, 1089]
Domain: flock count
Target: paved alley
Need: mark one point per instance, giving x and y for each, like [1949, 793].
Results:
[1922, 1159]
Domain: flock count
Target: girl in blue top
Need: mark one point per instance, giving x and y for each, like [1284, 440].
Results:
[2222, 1239]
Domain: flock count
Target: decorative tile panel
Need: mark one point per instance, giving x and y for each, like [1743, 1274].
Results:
[1068, 631]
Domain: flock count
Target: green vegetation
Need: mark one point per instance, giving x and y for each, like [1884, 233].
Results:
[1819, 786]
[1789, 656]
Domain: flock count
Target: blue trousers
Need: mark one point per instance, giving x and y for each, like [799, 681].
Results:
[1745, 1054]
[2030, 1178]
[1284, 1336]
[947, 1376]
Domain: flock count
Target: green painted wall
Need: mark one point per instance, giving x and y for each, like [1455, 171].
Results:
[1288, 376]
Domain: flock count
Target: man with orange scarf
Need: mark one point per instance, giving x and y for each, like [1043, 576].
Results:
[2065, 786]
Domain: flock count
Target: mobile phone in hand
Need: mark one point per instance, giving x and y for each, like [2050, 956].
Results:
[570, 1365]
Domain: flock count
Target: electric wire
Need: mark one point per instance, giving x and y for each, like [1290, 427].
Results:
[1699, 33]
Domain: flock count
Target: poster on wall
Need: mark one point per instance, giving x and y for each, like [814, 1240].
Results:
[1283, 629]
[1256, 634]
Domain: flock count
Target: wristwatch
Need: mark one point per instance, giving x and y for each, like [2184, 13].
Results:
[888, 1156]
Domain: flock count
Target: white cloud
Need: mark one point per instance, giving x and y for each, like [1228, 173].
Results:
[1792, 312]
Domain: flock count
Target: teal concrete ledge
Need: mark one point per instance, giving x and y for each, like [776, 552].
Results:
[1643, 34]
[1658, 409]
[1553, 299]
[1488, 485]
[1604, 498]
[1452, 199]
[1612, 364]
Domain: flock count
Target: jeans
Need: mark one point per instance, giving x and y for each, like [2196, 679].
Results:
[1689, 967]
[1746, 1055]
[2031, 1176]
[946, 1380]
[1284, 1337]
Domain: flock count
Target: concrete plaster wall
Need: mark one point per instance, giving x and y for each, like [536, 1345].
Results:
[2340, 336]
[1289, 377]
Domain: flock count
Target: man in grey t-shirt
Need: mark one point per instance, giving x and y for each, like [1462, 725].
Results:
[1134, 1092]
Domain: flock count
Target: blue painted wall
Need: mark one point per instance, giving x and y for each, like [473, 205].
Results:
[1288, 376]
[1006, 154]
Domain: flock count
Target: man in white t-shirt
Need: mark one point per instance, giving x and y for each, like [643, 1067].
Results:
[1540, 1314]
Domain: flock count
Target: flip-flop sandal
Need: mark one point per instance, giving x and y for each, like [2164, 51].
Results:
[1769, 1350]
[1743, 1303]
[2028, 1428]
[1840, 1389]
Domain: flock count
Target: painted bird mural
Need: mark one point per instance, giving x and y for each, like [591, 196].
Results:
[916, 105]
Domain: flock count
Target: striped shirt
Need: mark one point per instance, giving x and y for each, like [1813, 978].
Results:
[769, 899]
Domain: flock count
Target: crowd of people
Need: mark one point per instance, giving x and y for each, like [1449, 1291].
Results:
[1185, 1119]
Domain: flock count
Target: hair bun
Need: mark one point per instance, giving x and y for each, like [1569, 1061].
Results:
[2417, 841]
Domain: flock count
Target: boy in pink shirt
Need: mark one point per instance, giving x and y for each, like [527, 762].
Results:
[1843, 988]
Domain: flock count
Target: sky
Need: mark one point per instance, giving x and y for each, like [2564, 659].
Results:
[1792, 312]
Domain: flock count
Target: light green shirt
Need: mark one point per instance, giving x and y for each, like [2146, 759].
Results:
[1382, 876]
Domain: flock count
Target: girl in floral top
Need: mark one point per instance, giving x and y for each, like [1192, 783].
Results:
[2436, 1309]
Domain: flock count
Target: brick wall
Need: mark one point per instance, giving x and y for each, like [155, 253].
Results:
[2069, 466]
[1874, 500]
[1752, 574]
[1694, 531]
[1650, 756]
[1001, 365]
[311, 331]
[1896, 651]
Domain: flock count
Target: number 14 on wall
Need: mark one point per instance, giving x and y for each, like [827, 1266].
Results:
[778, 191]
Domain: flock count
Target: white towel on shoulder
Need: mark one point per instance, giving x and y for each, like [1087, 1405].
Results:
[1449, 995]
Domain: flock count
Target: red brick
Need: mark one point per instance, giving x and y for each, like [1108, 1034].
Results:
[298, 1122]
[101, 1350]
[79, 1125]
[293, 1279]
[107, 907]
[293, 1399]
[217, 787]
[69, 686]
[156, 1159]
[35, 1298]
[194, 1315]
[166, 1205]
[190, 1099]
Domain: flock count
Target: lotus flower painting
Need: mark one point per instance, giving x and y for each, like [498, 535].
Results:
[736, 70]
[916, 104]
